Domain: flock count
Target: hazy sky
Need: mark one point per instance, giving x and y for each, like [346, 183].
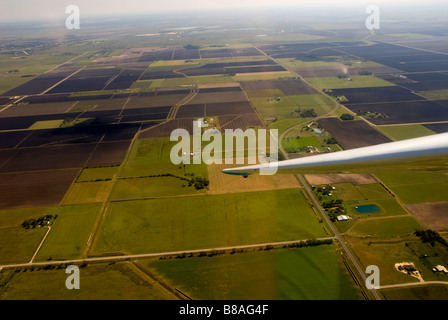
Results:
[12, 10]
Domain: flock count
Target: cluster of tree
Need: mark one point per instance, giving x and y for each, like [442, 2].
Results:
[308, 243]
[331, 140]
[39, 222]
[199, 183]
[343, 76]
[346, 117]
[191, 47]
[431, 237]
[306, 113]
[365, 73]
[335, 203]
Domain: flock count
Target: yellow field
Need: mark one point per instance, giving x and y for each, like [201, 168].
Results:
[224, 183]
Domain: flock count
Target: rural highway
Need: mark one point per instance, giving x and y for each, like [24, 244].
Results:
[304, 183]
[155, 255]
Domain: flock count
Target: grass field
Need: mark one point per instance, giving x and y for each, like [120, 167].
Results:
[87, 192]
[414, 188]
[306, 273]
[385, 254]
[302, 142]
[122, 280]
[70, 232]
[224, 183]
[139, 188]
[196, 222]
[405, 132]
[435, 94]
[94, 174]
[152, 156]
[387, 227]
[356, 82]
[17, 245]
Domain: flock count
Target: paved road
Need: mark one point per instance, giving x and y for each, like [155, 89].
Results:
[154, 255]
[304, 183]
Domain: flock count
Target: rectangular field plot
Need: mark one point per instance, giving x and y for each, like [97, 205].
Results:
[48, 158]
[288, 87]
[219, 97]
[109, 154]
[191, 111]
[159, 100]
[413, 188]
[37, 109]
[404, 112]
[122, 280]
[403, 132]
[377, 94]
[62, 136]
[70, 232]
[438, 127]
[223, 183]
[195, 222]
[354, 82]
[241, 121]
[352, 134]
[305, 273]
[220, 109]
[21, 190]
[433, 215]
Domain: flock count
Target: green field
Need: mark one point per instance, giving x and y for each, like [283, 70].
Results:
[356, 82]
[197, 222]
[385, 254]
[387, 227]
[292, 274]
[95, 174]
[405, 132]
[119, 281]
[87, 192]
[300, 143]
[417, 187]
[70, 232]
[139, 188]
[152, 157]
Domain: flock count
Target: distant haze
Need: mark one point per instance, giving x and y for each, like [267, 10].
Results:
[33, 10]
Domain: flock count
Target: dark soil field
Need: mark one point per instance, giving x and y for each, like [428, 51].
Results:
[218, 97]
[437, 127]
[352, 134]
[80, 85]
[185, 54]
[48, 158]
[233, 68]
[377, 94]
[166, 54]
[165, 129]
[64, 136]
[47, 188]
[405, 112]
[191, 111]
[109, 154]
[41, 83]
[11, 139]
[241, 121]
[221, 109]
[37, 109]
